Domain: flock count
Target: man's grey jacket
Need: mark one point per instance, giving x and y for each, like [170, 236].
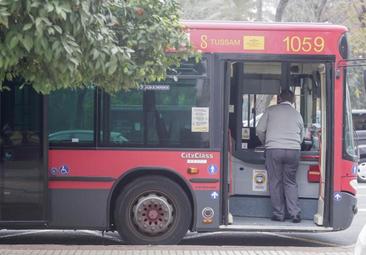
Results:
[281, 127]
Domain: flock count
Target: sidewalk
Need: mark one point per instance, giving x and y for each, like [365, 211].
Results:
[167, 250]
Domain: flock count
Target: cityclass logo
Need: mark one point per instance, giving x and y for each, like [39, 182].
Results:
[196, 155]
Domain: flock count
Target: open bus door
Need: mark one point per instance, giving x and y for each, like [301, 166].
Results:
[23, 156]
[253, 86]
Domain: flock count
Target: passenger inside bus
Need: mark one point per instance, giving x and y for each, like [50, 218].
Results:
[281, 130]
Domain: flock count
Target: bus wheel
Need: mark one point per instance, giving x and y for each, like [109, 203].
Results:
[152, 210]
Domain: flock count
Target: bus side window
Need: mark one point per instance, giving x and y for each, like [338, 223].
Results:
[174, 105]
[71, 116]
[123, 120]
[156, 115]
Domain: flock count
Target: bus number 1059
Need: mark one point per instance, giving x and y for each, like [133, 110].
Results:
[304, 44]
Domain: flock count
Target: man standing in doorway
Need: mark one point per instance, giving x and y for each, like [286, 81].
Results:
[281, 130]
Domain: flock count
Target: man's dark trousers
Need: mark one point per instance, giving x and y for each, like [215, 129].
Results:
[281, 165]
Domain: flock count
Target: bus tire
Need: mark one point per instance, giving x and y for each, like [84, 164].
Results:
[152, 210]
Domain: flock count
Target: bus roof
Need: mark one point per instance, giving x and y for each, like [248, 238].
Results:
[265, 38]
[240, 25]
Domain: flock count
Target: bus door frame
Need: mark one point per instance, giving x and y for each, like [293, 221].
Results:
[45, 149]
[226, 184]
[223, 64]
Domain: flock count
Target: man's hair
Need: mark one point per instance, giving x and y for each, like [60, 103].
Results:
[287, 95]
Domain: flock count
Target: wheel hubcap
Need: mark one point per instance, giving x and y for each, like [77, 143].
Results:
[153, 214]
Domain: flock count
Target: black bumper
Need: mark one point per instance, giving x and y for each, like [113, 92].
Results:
[343, 211]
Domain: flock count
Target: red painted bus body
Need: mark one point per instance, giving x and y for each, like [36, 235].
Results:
[137, 177]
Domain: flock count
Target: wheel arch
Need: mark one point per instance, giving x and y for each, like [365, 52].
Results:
[136, 173]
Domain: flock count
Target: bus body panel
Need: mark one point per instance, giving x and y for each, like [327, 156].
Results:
[343, 210]
[265, 39]
[80, 182]
[78, 208]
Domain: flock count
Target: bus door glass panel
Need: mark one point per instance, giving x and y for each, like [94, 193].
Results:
[22, 168]
[253, 109]
[306, 81]
[259, 86]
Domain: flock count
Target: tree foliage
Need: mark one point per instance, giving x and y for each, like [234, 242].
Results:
[114, 44]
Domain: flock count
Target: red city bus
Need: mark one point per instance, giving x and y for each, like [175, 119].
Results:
[182, 154]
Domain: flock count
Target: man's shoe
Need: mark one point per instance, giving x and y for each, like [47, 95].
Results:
[277, 218]
[296, 219]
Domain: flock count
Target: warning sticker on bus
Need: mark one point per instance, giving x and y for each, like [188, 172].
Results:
[200, 119]
[259, 180]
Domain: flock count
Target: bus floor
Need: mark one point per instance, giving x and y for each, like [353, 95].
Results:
[266, 224]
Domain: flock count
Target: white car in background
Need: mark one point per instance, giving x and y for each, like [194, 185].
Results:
[360, 248]
[82, 135]
[251, 122]
[361, 172]
[359, 125]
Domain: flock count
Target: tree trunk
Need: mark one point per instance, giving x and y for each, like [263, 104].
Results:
[280, 10]
[319, 10]
[361, 14]
[259, 10]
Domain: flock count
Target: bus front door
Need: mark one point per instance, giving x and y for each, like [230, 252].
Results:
[22, 155]
[254, 87]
